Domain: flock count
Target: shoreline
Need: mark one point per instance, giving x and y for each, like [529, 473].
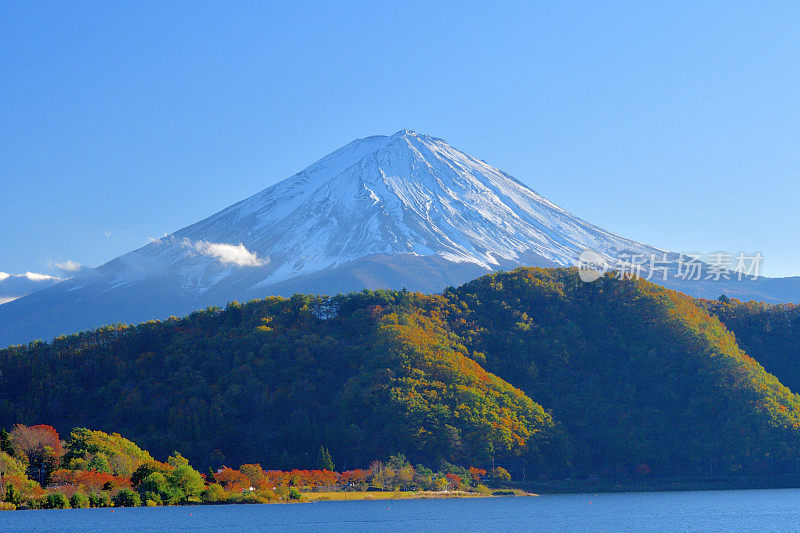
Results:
[312, 497]
[342, 496]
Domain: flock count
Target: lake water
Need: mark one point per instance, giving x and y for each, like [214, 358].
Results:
[745, 510]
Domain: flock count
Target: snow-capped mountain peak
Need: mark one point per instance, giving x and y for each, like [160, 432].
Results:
[406, 193]
[393, 211]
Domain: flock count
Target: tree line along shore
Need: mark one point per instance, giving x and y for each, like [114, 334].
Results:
[39, 470]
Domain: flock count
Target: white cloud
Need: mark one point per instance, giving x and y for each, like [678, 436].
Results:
[35, 276]
[13, 286]
[68, 266]
[158, 240]
[227, 253]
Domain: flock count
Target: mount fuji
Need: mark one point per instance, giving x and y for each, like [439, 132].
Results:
[405, 210]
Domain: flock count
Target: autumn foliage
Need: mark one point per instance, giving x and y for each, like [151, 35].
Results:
[531, 369]
[175, 482]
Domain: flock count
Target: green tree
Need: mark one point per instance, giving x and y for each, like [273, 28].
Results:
[214, 493]
[5, 443]
[99, 463]
[154, 487]
[398, 461]
[13, 495]
[79, 500]
[100, 499]
[184, 478]
[324, 460]
[55, 500]
[145, 470]
[127, 498]
[500, 474]
[121, 457]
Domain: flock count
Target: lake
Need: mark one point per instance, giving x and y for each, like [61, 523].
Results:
[762, 510]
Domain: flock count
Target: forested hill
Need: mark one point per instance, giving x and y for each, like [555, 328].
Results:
[531, 369]
[770, 333]
[635, 372]
[364, 375]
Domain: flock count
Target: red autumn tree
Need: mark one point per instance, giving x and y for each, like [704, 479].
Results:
[276, 478]
[453, 480]
[39, 446]
[93, 481]
[354, 477]
[63, 477]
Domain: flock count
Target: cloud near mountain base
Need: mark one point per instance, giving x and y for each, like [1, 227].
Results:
[227, 253]
[13, 286]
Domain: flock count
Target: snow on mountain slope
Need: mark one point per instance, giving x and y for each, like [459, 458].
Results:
[402, 194]
[406, 210]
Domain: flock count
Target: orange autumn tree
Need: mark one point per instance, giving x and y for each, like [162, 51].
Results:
[232, 480]
[256, 475]
[476, 473]
[96, 481]
[354, 477]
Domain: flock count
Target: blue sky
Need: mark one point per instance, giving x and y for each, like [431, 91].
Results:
[677, 124]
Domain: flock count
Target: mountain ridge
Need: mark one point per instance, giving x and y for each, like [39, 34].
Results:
[535, 368]
[418, 212]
